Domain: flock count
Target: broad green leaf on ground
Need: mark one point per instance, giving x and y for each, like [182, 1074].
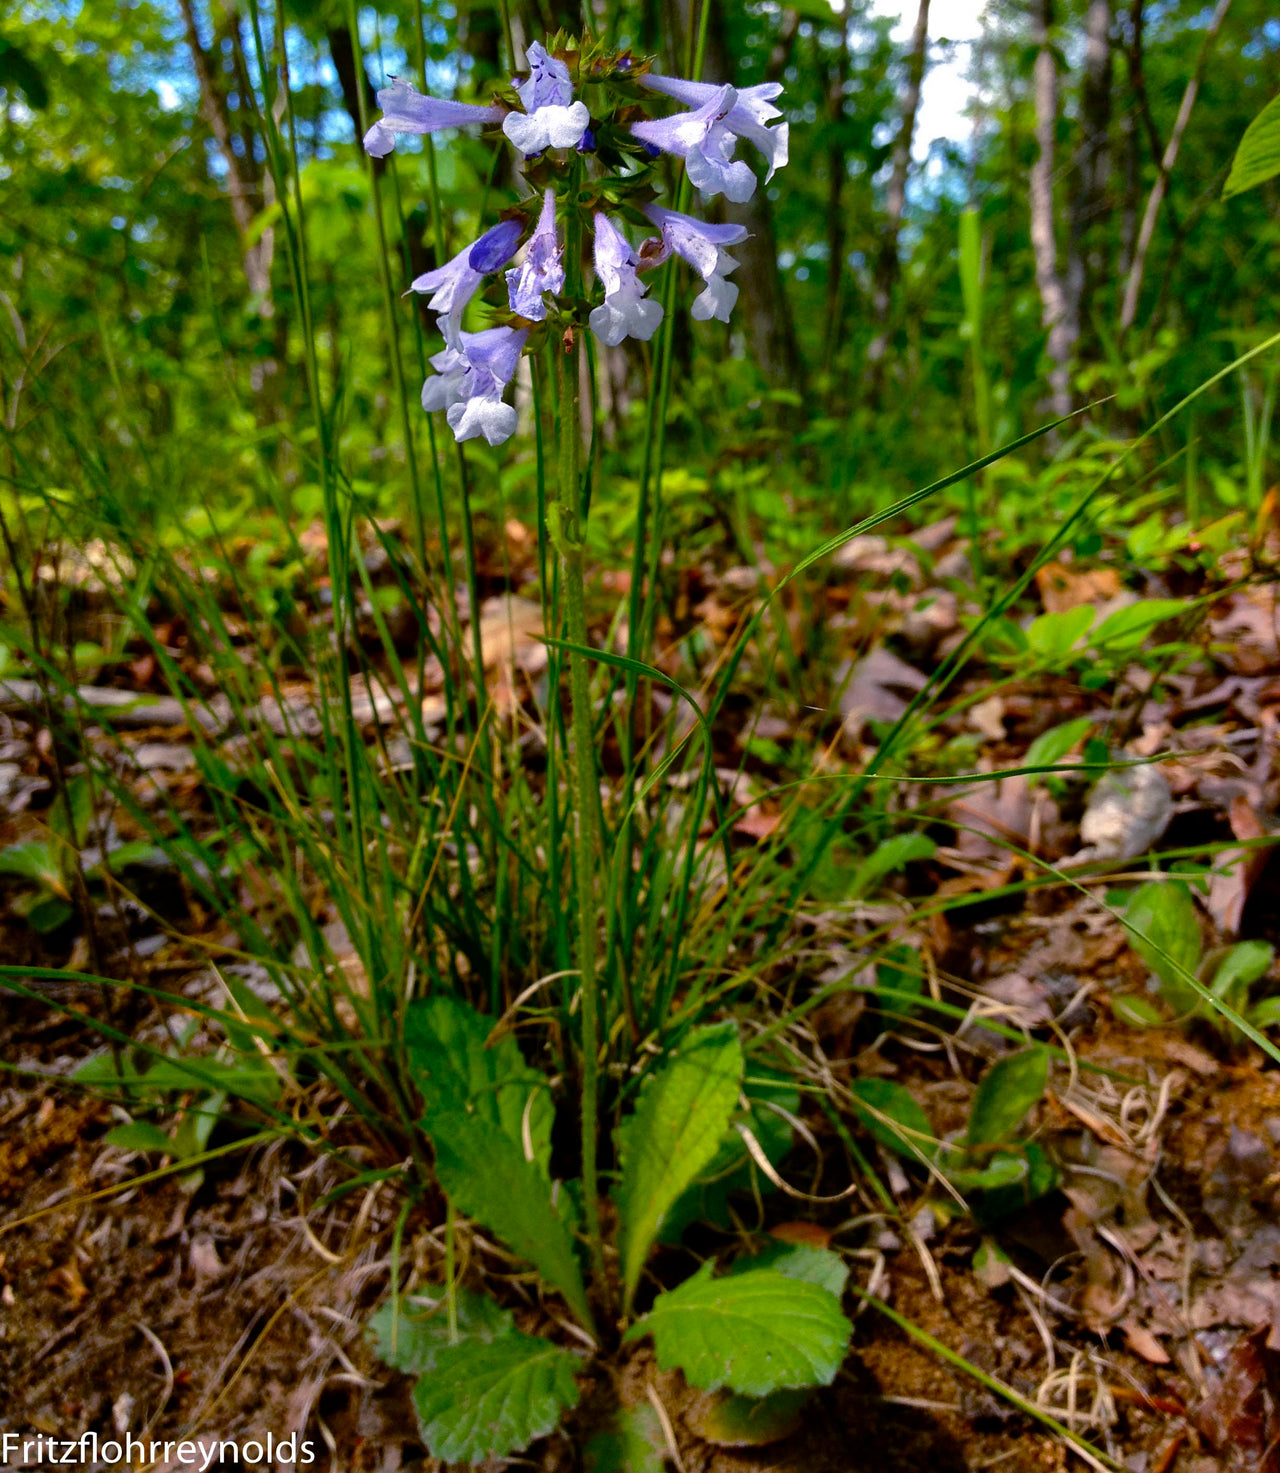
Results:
[1051, 746]
[1008, 1091]
[486, 1399]
[139, 1135]
[485, 1174]
[799, 1261]
[409, 1333]
[755, 1332]
[889, 1112]
[750, 1421]
[770, 1097]
[1163, 930]
[632, 1443]
[678, 1124]
[1129, 628]
[247, 1079]
[899, 978]
[1053, 636]
[1138, 1012]
[888, 857]
[1035, 1175]
[453, 1070]
[35, 859]
[1258, 156]
[1242, 966]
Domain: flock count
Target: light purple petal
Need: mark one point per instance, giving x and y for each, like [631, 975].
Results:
[703, 247]
[543, 268]
[747, 118]
[625, 312]
[406, 110]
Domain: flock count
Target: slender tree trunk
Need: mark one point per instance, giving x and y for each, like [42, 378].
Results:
[1089, 200]
[888, 265]
[1146, 232]
[245, 179]
[835, 189]
[1056, 306]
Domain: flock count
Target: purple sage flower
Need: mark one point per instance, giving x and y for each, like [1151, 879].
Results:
[470, 380]
[455, 283]
[406, 110]
[706, 145]
[543, 268]
[624, 313]
[551, 118]
[703, 247]
[746, 119]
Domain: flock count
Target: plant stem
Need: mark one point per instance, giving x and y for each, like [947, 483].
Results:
[567, 534]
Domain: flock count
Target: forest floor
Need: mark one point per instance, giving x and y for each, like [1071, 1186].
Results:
[1138, 1302]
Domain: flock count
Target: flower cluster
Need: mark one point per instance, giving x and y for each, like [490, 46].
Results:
[559, 136]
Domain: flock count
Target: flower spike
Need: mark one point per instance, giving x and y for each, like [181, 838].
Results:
[406, 110]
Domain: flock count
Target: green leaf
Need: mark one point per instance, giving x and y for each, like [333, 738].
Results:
[754, 1332]
[1051, 746]
[1054, 636]
[487, 1176]
[899, 972]
[1127, 629]
[1138, 1012]
[732, 1168]
[632, 1443]
[892, 855]
[799, 1261]
[80, 798]
[751, 1421]
[139, 1135]
[1266, 1014]
[1008, 1091]
[486, 1399]
[1242, 966]
[35, 859]
[1163, 930]
[1036, 1175]
[409, 1333]
[890, 1113]
[46, 913]
[679, 1121]
[1258, 156]
[454, 1071]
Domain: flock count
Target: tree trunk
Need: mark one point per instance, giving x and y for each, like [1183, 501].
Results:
[1056, 314]
[835, 189]
[1089, 201]
[888, 265]
[245, 182]
[1133, 285]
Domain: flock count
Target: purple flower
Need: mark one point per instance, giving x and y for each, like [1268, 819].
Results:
[702, 139]
[624, 313]
[551, 118]
[747, 118]
[543, 268]
[406, 110]
[702, 245]
[455, 283]
[470, 380]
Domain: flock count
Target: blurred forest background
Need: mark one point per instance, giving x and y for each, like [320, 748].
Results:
[906, 303]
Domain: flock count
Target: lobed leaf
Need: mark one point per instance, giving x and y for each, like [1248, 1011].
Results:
[486, 1175]
[676, 1130]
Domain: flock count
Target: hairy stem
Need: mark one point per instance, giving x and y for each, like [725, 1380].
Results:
[568, 535]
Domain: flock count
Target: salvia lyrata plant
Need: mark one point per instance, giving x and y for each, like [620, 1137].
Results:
[700, 1124]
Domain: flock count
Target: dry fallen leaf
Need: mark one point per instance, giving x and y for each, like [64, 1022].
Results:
[879, 688]
[1063, 586]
